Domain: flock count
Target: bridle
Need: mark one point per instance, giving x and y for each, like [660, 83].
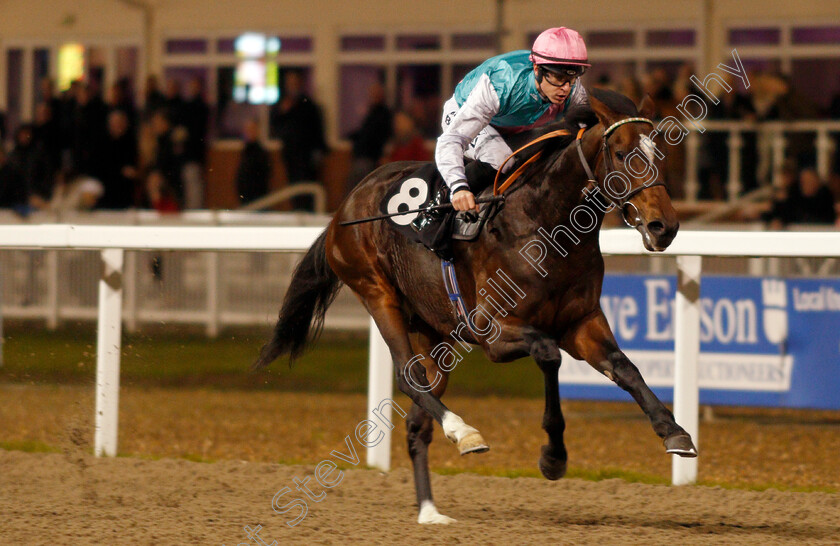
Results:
[592, 182]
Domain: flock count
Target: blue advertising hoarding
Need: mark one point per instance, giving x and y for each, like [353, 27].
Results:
[763, 342]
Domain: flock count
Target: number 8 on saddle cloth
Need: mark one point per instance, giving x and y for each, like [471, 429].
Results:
[435, 229]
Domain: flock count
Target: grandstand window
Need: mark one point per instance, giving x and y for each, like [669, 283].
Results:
[670, 38]
[215, 65]
[816, 35]
[419, 70]
[226, 45]
[619, 53]
[754, 36]
[423, 42]
[363, 43]
[459, 71]
[14, 89]
[185, 46]
[419, 93]
[485, 40]
[610, 38]
[806, 52]
[356, 80]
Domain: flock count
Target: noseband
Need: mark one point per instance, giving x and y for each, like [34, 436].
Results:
[623, 202]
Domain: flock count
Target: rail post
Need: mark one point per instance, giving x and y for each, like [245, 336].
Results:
[686, 351]
[380, 387]
[108, 345]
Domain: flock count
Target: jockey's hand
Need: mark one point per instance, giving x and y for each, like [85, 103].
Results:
[464, 200]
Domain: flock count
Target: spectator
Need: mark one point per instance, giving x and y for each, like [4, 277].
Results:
[75, 192]
[407, 144]
[254, 170]
[196, 115]
[158, 194]
[807, 202]
[173, 102]
[89, 120]
[297, 123]
[153, 99]
[46, 133]
[165, 160]
[118, 170]
[120, 99]
[31, 161]
[369, 139]
[12, 187]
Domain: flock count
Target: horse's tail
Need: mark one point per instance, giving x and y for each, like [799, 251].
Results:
[313, 288]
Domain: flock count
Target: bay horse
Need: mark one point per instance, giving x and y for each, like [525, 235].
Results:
[558, 287]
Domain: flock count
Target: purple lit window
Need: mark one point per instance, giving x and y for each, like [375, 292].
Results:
[184, 46]
[226, 45]
[754, 36]
[816, 35]
[296, 44]
[356, 81]
[362, 43]
[418, 42]
[473, 41]
[672, 38]
[623, 38]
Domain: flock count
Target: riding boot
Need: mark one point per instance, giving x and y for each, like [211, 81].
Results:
[434, 227]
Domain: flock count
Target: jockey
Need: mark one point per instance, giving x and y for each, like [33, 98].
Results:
[507, 94]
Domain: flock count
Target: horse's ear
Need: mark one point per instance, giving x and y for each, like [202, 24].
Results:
[647, 108]
[605, 115]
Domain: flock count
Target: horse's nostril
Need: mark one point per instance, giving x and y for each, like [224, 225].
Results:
[656, 227]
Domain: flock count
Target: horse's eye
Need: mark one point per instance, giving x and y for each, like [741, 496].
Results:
[619, 156]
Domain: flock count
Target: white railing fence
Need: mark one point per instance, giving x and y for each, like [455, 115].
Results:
[772, 139]
[113, 242]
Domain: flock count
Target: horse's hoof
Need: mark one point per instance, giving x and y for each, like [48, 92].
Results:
[681, 445]
[551, 467]
[430, 516]
[472, 443]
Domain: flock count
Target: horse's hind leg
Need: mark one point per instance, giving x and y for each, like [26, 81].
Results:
[411, 377]
[419, 427]
[593, 341]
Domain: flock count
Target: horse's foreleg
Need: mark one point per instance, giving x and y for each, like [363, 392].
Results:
[591, 340]
[546, 353]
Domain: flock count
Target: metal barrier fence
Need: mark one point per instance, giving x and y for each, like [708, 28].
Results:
[760, 146]
[218, 289]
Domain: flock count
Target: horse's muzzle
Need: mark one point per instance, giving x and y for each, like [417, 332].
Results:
[658, 234]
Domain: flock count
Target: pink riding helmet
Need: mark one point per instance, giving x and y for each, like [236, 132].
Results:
[559, 46]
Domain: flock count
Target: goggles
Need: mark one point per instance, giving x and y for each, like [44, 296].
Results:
[558, 77]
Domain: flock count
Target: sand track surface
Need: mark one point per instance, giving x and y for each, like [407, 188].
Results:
[74, 498]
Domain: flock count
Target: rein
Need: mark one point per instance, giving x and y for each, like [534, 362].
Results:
[592, 182]
[497, 189]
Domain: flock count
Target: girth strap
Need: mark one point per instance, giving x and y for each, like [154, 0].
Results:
[450, 282]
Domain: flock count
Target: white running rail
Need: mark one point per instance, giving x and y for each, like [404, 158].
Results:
[112, 241]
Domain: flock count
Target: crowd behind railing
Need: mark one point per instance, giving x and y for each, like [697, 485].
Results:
[83, 151]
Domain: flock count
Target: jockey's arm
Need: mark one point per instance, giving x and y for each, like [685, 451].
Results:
[473, 116]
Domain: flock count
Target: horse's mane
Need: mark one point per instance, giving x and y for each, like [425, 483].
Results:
[576, 116]
[618, 103]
